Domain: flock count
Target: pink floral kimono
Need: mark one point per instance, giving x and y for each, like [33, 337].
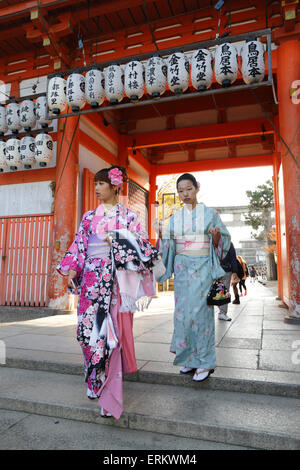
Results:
[115, 279]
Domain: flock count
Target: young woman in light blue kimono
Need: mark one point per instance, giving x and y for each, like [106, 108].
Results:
[191, 246]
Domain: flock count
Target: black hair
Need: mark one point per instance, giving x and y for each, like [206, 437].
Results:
[187, 176]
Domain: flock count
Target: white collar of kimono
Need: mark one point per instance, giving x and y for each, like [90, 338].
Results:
[187, 224]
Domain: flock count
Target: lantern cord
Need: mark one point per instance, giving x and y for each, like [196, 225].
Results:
[149, 24]
[66, 159]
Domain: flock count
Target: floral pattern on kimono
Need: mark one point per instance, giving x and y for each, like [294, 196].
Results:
[97, 282]
[193, 341]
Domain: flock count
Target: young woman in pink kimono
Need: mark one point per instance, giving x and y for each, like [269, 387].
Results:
[109, 265]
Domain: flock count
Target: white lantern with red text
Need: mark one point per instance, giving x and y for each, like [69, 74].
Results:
[134, 80]
[94, 87]
[178, 72]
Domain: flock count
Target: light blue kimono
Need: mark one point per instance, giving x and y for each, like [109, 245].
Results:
[193, 339]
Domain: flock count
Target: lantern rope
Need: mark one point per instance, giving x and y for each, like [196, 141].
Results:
[149, 24]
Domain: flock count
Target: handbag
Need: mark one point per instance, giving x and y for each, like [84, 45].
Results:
[218, 294]
[159, 268]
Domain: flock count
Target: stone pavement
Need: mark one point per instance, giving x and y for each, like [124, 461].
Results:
[249, 402]
[256, 345]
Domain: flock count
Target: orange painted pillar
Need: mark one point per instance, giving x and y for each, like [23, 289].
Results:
[123, 161]
[65, 208]
[288, 72]
[276, 164]
[151, 206]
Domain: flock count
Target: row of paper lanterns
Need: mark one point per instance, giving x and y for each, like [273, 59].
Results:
[115, 81]
[15, 116]
[17, 153]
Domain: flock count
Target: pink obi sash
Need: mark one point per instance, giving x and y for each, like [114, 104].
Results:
[192, 247]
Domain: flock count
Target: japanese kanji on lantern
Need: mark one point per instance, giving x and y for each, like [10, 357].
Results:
[27, 114]
[226, 64]
[201, 69]
[253, 61]
[3, 161]
[114, 83]
[57, 100]
[27, 151]
[12, 153]
[76, 91]
[178, 72]
[41, 111]
[13, 117]
[134, 80]
[3, 123]
[43, 148]
[156, 76]
[94, 87]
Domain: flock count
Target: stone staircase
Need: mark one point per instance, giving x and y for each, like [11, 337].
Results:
[252, 414]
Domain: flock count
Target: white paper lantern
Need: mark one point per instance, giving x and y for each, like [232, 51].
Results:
[94, 87]
[13, 117]
[12, 153]
[3, 123]
[156, 76]
[41, 109]
[27, 151]
[76, 91]
[178, 72]
[27, 114]
[3, 161]
[43, 148]
[57, 100]
[201, 69]
[114, 83]
[226, 64]
[253, 61]
[134, 80]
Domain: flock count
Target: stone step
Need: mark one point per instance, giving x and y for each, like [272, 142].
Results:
[215, 382]
[233, 418]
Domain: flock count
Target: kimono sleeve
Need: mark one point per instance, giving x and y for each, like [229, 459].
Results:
[168, 250]
[141, 235]
[225, 239]
[75, 256]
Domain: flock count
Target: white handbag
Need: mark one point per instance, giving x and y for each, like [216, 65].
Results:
[159, 268]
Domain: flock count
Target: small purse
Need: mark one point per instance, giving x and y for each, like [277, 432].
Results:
[218, 294]
[159, 268]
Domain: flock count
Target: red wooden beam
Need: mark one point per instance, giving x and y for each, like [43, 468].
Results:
[228, 130]
[27, 176]
[95, 147]
[215, 164]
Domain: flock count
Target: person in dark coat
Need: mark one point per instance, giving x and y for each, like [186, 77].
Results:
[230, 266]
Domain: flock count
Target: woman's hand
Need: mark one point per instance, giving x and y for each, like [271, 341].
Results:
[216, 234]
[71, 276]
